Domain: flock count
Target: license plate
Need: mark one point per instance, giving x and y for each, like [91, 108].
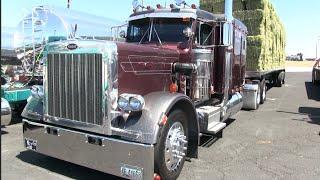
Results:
[31, 144]
[131, 172]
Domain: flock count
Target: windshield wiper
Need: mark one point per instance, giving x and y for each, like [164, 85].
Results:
[157, 36]
[144, 35]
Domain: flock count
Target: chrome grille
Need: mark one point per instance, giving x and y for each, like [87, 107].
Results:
[74, 83]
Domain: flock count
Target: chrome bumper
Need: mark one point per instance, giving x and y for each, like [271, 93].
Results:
[105, 154]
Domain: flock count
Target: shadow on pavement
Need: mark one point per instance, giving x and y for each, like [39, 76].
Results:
[16, 118]
[313, 113]
[313, 91]
[207, 140]
[62, 167]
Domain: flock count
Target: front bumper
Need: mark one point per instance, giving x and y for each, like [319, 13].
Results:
[102, 153]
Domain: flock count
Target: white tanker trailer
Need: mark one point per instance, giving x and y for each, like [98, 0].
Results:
[48, 24]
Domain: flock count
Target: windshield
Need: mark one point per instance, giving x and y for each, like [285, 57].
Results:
[162, 30]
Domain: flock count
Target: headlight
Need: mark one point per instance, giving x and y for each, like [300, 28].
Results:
[136, 104]
[130, 102]
[123, 103]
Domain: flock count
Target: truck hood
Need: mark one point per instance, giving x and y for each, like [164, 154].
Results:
[146, 65]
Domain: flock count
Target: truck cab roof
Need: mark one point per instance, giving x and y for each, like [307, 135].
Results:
[177, 13]
[183, 13]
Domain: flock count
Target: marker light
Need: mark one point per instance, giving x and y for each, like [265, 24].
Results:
[173, 88]
[149, 8]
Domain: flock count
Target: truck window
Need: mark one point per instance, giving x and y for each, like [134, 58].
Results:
[204, 34]
[165, 29]
[170, 29]
[137, 29]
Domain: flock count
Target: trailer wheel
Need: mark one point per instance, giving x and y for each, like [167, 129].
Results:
[263, 91]
[171, 148]
[279, 79]
[283, 79]
[258, 98]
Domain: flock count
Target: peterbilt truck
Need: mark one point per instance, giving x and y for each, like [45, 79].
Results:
[136, 109]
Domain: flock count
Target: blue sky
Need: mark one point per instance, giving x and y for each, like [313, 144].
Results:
[300, 17]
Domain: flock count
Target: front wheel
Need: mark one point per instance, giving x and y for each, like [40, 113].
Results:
[171, 148]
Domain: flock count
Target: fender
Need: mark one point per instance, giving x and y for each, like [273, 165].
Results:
[156, 105]
[33, 109]
[146, 122]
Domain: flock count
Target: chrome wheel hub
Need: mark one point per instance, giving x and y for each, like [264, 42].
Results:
[175, 147]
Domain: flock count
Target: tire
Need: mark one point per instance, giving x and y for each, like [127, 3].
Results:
[278, 82]
[313, 81]
[284, 79]
[169, 167]
[279, 79]
[263, 91]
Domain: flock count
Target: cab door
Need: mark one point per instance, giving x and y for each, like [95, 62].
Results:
[203, 57]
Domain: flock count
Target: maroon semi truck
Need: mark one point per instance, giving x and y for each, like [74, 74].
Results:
[136, 109]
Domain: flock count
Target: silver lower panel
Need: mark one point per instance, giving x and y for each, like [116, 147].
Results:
[73, 146]
[250, 93]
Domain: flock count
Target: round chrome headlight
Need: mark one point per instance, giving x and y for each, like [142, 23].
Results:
[123, 103]
[130, 102]
[135, 104]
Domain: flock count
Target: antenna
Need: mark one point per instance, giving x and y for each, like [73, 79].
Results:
[69, 3]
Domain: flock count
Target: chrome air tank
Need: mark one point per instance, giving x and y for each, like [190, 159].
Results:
[203, 58]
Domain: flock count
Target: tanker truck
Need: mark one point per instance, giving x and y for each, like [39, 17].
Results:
[136, 109]
[22, 50]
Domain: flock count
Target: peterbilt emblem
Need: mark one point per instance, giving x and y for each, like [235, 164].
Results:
[72, 46]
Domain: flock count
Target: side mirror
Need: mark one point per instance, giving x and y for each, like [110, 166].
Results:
[188, 32]
[122, 34]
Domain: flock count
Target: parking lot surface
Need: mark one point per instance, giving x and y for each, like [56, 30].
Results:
[280, 140]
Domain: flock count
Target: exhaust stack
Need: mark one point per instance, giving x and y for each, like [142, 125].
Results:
[228, 9]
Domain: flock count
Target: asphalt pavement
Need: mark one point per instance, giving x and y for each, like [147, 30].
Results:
[280, 140]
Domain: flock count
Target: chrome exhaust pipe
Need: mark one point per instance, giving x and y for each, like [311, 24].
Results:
[228, 7]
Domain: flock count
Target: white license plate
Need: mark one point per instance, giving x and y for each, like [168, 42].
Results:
[131, 172]
[31, 144]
